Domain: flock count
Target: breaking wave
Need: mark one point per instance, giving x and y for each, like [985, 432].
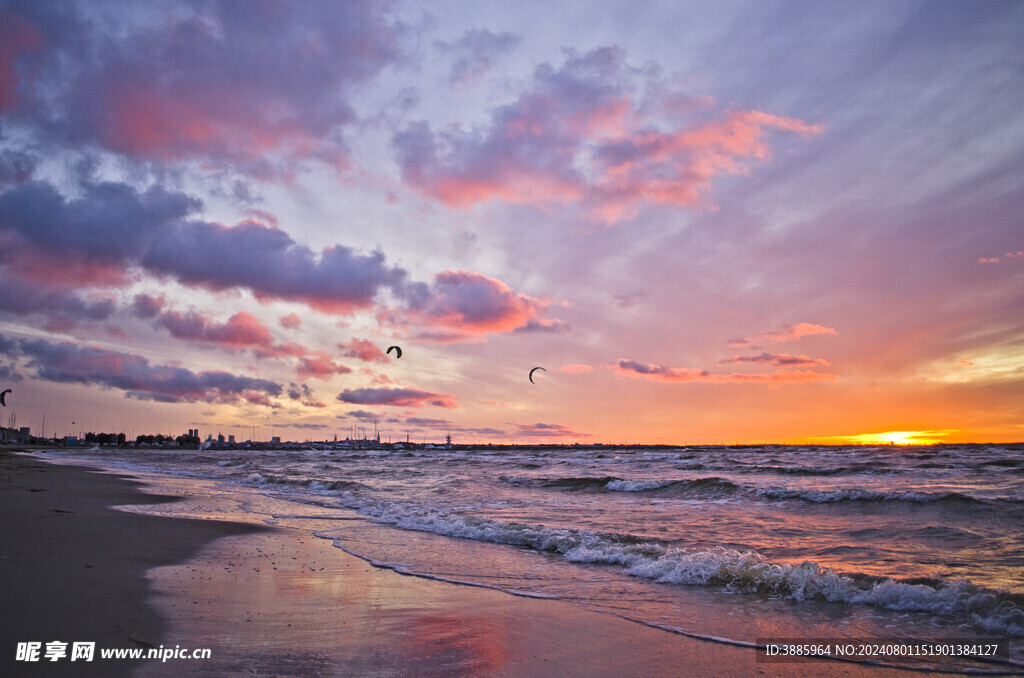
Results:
[716, 487]
[719, 567]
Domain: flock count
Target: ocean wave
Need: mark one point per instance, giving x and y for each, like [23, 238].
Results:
[266, 479]
[861, 495]
[716, 487]
[619, 485]
[719, 567]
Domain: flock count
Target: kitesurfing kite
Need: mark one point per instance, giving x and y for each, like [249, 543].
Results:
[3, 397]
[396, 349]
[534, 370]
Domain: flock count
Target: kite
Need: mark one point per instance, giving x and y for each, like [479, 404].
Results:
[3, 397]
[534, 370]
[396, 349]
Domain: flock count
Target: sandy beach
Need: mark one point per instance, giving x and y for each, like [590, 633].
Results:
[279, 601]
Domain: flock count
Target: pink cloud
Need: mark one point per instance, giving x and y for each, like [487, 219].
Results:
[995, 260]
[114, 227]
[16, 36]
[463, 305]
[319, 365]
[578, 135]
[632, 368]
[242, 330]
[46, 270]
[290, 321]
[263, 88]
[363, 349]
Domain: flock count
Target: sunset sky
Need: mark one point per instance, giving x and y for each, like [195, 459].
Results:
[709, 222]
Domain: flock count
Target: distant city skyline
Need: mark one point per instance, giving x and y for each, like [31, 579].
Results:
[708, 222]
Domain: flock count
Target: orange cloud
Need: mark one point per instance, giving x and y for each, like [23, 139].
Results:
[787, 333]
[632, 368]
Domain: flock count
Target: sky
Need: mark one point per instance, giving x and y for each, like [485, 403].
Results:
[709, 222]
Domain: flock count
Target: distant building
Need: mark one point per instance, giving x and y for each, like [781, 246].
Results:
[231, 439]
[70, 441]
[276, 440]
[220, 437]
[15, 435]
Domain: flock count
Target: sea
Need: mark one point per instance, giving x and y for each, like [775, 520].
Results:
[728, 544]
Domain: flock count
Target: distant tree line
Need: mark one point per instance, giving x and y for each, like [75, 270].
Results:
[159, 439]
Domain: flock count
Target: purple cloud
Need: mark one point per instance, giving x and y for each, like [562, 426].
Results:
[69, 363]
[579, 135]
[540, 430]
[398, 397]
[777, 359]
[115, 226]
[23, 297]
[476, 52]
[254, 85]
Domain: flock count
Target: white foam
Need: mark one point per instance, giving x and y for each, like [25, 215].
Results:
[636, 485]
[719, 567]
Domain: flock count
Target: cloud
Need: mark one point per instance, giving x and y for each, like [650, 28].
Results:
[113, 225]
[17, 36]
[363, 349]
[303, 394]
[22, 297]
[9, 373]
[476, 52]
[787, 333]
[242, 330]
[118, 229]
[578, 134]
[996, 260]
[361, 415]
[398, 397]
[428, 423]
[462, 305]
[146, 306]
[319, 365]
[547, 431]
[313, 427]
[290, 321]
[632, 368]
[69, 363]
[777, 359]
[224, 82]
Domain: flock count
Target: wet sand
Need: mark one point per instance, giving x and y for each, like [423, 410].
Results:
[74, 570]
[283, 602]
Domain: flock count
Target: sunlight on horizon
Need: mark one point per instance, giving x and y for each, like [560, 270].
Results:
[891, 438]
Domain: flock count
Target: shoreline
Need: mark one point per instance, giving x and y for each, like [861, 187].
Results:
[74, 570]
[280, 601]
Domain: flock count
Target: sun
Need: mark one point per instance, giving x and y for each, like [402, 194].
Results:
[889, 438]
